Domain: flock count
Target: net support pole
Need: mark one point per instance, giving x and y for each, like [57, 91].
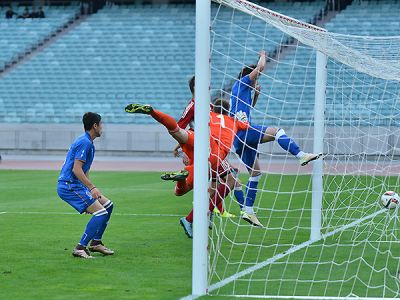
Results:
[201, 145]
[319, 130]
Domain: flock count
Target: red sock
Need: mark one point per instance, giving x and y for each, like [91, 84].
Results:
[220, 206]
[211, 205]
[215, 201]
[168, 121]
[189, 217]
[222, 192]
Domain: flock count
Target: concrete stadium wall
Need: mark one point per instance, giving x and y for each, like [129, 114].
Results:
[153, 140]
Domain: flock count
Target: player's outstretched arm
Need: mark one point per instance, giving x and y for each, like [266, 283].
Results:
[260, 66]
[78, 171]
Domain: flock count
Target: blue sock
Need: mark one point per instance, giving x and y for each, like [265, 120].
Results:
[287, 143]
[109, 207]
[94, 224]
[238, 192]
[251, 190]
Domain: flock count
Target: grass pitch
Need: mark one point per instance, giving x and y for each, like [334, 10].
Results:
[39, 230]
[153, 256]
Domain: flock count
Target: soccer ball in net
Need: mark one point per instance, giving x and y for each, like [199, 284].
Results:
[390, 199]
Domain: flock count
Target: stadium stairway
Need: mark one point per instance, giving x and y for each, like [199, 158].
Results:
[22, 38]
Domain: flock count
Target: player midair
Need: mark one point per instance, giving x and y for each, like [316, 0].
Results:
[246, 142]
[222, 132]
[225, 171]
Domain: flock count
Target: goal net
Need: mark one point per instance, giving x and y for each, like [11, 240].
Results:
[356, 251]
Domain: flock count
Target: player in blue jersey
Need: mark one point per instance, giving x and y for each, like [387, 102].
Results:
[75, 188]
[246, 142]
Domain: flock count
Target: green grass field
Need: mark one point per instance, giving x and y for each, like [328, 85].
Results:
[153, 256]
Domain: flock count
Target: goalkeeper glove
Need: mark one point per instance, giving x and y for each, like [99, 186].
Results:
[241, 116]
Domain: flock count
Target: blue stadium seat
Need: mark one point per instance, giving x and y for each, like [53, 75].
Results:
[146, 54]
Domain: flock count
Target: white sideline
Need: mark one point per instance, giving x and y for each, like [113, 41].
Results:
[73, 213]
[2, 212]
[281, 255]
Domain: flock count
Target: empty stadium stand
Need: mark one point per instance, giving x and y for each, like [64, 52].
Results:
[145, 53]
[118, 55]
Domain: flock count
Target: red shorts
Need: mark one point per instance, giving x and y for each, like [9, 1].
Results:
[217, 154]
[222, 170]
[188, 147]
[219, 166]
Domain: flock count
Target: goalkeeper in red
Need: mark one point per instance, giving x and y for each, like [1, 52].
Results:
[223, 129]
[222, 132]
[246, 142]
[225, 170]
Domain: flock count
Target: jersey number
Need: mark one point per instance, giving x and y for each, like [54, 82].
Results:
[221, 117]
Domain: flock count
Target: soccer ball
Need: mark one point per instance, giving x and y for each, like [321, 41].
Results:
[390, 199]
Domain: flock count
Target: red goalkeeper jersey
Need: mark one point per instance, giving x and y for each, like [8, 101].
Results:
[223, 129]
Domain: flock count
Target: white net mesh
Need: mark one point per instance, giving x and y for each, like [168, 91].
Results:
[359, 253]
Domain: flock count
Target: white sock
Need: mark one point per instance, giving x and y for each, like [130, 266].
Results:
[250, 210]
[300, 154]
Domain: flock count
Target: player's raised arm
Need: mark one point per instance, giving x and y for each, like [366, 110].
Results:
[260, 66]
[257, 91]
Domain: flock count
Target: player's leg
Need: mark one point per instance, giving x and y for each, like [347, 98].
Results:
[251, 191]
[79, 197]
[237, 189]
[223, 182]
[184, 186]
[238, 145]
[238, 193]
[184, 178]
[249, 156]
[216, 201]
[287, 143]
[187, 224]
[98, 220]
[96, 245]
[169, 122]
[250, 159]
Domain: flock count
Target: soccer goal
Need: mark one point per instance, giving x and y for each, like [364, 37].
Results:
[326, 234]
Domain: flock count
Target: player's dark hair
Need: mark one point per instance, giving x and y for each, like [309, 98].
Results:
[191, 84]
[221, 106]
[89, 119]
[246, 71]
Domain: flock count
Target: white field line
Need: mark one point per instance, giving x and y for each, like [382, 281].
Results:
[73, 213]
[115, 214]
[2, 212]
[286, 253]
[302, 297]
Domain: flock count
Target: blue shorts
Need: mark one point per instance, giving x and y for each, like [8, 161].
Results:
[75, 194]
[246, 144]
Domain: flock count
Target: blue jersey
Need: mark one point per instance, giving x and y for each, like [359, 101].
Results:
[81, 149]
[241, 99]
